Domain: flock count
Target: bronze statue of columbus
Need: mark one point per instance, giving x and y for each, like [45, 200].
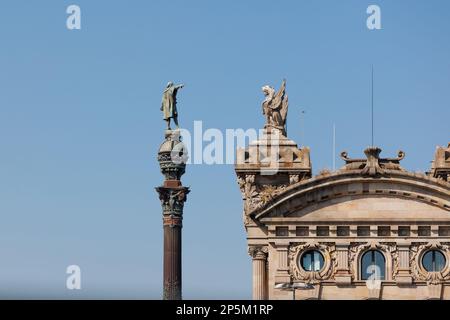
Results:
[169, 103]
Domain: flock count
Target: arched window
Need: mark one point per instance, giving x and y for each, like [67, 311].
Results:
[312, 261]
[433, 261]
[373, 265]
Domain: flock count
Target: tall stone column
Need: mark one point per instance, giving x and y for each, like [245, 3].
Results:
[259, 256]
[172, 160]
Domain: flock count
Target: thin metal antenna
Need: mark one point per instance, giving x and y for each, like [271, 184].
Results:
[334, 147]
[302, 114]
[372, 107]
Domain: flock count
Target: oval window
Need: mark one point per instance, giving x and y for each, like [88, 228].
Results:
[433, 261]
[312, 261]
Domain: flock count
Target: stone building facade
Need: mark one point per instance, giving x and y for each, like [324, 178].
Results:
[370, 230]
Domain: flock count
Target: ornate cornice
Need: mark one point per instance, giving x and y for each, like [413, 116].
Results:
[426, 189]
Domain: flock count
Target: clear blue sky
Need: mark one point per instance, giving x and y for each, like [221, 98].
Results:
[80, 124]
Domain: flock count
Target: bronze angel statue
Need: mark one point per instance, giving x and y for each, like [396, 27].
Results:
[275, 107]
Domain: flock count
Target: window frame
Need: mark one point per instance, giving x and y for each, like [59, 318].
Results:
[360, 266]
[433, 261]
[301, 256]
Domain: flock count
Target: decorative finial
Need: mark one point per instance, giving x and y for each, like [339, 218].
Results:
[373, 165]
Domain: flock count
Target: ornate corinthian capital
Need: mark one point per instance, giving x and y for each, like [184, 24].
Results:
[172, 199]
[258, 252]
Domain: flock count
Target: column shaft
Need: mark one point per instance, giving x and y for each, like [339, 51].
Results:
[259, 279]
[172, 262]
[259, 255]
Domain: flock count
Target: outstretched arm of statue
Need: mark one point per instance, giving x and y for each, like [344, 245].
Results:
[179, 86]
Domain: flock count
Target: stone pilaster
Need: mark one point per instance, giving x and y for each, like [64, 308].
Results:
[403, 276]
[342, 276]
[259, 256]
[282, 274]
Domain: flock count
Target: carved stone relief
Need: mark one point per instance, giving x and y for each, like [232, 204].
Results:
[356, 250]
[258, 252]
[172, 199]
[256, 195]
[417, 269]
[328, 250]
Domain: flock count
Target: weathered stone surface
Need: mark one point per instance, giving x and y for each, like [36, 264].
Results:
[267, 167]
[440, 167]
[369, 204]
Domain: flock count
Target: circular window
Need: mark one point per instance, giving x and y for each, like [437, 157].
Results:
[433, 261]
[312, 261]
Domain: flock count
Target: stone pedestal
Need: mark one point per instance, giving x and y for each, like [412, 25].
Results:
[267, 167]
[172, 159]
[276, 157]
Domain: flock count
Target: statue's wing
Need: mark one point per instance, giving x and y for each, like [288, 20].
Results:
[284, 108]
[279, 96]
[281, 101]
